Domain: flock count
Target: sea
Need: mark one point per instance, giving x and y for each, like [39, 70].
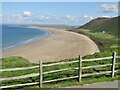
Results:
[17, 35]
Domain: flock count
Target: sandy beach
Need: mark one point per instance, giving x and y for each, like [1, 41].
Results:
[60, 45]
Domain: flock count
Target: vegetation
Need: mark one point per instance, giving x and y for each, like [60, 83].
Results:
[13, 62]
[103, 40]
[103, 31]
[71, 82]
[109, 25]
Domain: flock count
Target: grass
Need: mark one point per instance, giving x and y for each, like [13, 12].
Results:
[104, 41]
[69, 83]
[109, 25]
[13, 62]
[62, 74]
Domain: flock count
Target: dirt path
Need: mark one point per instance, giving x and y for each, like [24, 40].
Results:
[113, 84]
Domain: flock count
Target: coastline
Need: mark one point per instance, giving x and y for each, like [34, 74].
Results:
[60, 45]
[28, 41]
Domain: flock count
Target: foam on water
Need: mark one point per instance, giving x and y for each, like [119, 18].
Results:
[15, 36]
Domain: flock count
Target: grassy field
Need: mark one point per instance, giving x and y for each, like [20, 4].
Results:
[24, 63]
[103, 40]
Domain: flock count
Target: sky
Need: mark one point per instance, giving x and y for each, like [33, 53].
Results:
[56, 13]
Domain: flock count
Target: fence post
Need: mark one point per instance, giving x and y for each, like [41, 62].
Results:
[113, 63]
[80, 69]
[40, 74]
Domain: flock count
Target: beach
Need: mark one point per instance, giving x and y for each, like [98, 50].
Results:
[60, 45]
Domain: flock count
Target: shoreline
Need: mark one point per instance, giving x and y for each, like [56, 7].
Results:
[29, 41]
[60, 45]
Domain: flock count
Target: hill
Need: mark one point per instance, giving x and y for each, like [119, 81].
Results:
[109, 25]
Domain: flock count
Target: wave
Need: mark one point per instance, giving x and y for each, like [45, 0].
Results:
[22, 41]
[9, 47]
[28, 41]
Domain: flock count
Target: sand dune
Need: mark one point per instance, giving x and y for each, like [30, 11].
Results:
[61, 44]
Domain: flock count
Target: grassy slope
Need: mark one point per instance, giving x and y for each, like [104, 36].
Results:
[104, 41]
[93, 29]
[110, 25]
[12, 62]
[72, 82]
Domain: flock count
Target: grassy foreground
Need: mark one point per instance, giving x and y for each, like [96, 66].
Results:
[87, 80]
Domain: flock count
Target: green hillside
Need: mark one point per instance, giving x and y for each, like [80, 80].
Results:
[109, 25]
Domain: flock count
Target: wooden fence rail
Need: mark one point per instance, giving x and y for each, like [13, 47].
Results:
[20, 77]
[59, 70]
[15, 69]
[79, 68]
[19, 85]
[60, 63]
[97, 59]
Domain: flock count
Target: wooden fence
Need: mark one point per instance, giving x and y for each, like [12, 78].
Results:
[79, 68]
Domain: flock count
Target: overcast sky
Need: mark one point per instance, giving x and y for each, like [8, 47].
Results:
[68, 13]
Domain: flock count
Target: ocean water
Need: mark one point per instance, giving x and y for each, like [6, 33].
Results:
[16, 36]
